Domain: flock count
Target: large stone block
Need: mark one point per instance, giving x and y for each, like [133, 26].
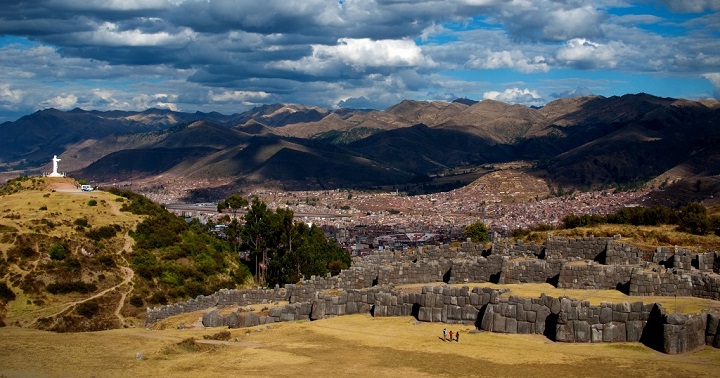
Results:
[634, 330]
[510, 325]
[498, 323]
[608, 332]
[318, 310]
[619, 333]
[248, 319]
[212, 319]
[606, 315]
[597, 333]
[425, 314]
[583, 332]
[565, 332]
[524, 328]
[555, 305]
[351, 308]
[437, 315]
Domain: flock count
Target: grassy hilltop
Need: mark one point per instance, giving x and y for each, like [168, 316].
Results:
[83, 261]
[63, 254]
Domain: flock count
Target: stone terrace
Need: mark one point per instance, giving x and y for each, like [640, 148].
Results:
[584, 263]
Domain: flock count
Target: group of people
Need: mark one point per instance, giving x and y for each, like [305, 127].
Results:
[445, 335]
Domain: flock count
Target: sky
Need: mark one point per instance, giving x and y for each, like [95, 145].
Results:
[231, 55]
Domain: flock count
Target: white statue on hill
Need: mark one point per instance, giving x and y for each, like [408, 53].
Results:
[55, 173]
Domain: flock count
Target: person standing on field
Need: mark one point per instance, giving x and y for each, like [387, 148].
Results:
[450, 335]
[444, 334]
[457, 336]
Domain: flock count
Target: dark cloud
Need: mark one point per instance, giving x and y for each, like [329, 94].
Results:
[203, 53]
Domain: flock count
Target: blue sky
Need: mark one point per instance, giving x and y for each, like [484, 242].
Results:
[228, 55]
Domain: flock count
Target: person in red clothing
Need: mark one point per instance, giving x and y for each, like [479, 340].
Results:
[450, 335]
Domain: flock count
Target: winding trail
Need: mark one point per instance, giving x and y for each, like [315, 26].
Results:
[127, 272]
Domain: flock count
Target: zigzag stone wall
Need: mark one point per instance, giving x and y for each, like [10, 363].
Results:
[583, 263]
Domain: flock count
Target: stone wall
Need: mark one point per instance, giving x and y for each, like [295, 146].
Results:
[590, 248]
[560, 319]
[591, 275]
[580, 263]
[529, 271]
[661, 282]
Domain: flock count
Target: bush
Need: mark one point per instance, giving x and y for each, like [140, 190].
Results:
[57, 252]
[72, 286]
[693, 219]
[158, 298]
[81, 222]
[92, 202]
[6, 294]
[106, 261]
[43, 207]
[477, 232]
[104, 232]
[87, 309]
[137, 301]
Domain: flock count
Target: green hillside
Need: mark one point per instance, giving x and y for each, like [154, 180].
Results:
[78, 261]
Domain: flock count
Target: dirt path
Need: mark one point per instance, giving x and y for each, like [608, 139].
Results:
[129, 274]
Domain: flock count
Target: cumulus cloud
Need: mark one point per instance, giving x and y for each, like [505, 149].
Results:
[509, 59]
[9, 97]
[222, 54]
[551, 20]
[714, 79]
[365, 52]
[580, 52]
[516, 96]
[577, 92]
[62, 102]
[238, 96]
[356, 103]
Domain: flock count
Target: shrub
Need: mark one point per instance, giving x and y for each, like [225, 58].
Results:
[158, 298]
[58, 252]
[73, 264]
[81, 222]
[106, 261]
[104, 232]
[87, 309]
[92, 202]
[72, 286]
[693, 219]
[6, 294]
[21, 250]
[136, 301]
[43, 207]
[477, 232]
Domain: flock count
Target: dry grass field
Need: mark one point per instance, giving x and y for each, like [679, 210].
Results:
[353, 345]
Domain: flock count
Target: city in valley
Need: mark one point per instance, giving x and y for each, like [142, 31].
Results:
[366, 220]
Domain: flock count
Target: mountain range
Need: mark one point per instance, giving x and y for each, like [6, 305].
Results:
[577, 142]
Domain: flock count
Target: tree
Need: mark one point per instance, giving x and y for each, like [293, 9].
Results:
[255, 235]
[693, 219]
[233, 202]
[57, 252]
[233, 231]
[477, 232]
